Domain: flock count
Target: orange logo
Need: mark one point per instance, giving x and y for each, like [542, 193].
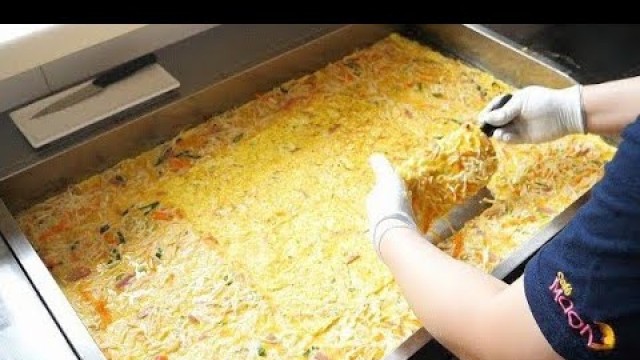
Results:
[599, 336]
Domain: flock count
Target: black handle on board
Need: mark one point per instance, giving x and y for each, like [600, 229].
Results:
[122, 71]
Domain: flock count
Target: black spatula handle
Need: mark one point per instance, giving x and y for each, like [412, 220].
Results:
[489, 129]
[122, 71]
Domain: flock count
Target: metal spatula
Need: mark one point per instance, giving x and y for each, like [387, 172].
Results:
[444, 227]
[454, 220]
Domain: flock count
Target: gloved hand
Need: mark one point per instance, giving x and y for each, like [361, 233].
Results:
[387, 204]
[536, 114]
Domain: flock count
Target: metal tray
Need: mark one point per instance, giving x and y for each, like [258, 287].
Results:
[472, 43]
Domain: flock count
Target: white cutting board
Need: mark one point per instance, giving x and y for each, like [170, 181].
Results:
[137, 88]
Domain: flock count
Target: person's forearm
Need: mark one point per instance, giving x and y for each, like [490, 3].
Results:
[444, 293]
[610, 106]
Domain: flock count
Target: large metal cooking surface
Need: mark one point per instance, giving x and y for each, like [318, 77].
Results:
[62, 166]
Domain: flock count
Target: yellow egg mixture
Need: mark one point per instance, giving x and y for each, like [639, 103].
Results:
[246, 236]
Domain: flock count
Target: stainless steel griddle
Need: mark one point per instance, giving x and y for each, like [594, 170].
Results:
[153, 124]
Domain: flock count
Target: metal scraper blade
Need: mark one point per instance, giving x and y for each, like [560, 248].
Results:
[444, 227]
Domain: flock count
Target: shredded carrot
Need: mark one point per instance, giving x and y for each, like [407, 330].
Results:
[458, 245]
[176, 164]
[99, 305]
[291, 103]
[61, 226]
[105, 314]
[349, 77]
[110, 238]
[74, 256]
[86, 295]
[162, 215]
[193, 142]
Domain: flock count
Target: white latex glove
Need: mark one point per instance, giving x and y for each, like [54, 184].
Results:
[387, 204]
[536, 114]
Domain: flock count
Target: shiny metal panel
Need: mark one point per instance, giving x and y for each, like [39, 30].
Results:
[24, 320]
[46, 286]
[503, 58]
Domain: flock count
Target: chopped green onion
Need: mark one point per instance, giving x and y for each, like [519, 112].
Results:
[121, 238]
[188, 154]
[104, 228]
[149, 208]
[118, 180]
[115, 255]
[357, 69]
[237, 137]
[262, 352]
[228, 280]
[310, 350]
[165, 155]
